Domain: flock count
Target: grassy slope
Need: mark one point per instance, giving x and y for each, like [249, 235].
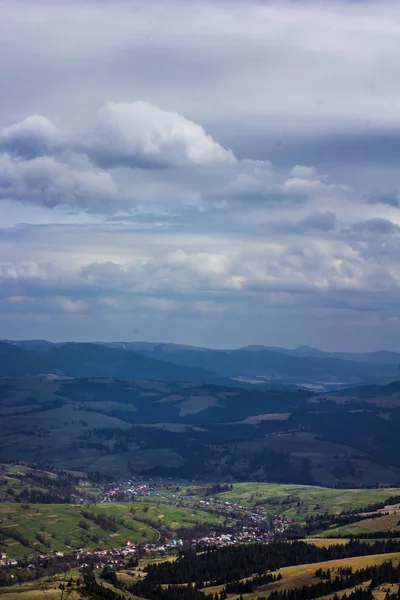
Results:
[63, 522]
[295, 576]
[384, 523]
[8, 475]
[304, 574]
[18, 477]
[284, 498]
[46, 588]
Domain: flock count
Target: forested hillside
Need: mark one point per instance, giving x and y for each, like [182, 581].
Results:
[204, 431]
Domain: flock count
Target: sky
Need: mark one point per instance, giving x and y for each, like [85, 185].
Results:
[208, 173]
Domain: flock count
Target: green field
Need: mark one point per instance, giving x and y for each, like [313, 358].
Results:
[384, 523]
[59, 524]
[299, 501]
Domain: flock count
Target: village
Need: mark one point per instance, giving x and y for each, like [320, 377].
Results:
[247, 525]
[260, 525]
[118, 557]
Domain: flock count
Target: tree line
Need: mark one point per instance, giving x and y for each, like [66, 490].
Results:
[325, 520]
[231, 563]
[377, 574]
[106, 522]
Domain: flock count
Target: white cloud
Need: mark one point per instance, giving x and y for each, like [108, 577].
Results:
[313, 186]
[304, 172]
[139, 134]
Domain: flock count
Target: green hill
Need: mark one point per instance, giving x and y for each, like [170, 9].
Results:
[28, 529]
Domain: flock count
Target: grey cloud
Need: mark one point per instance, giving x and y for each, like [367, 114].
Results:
[388, 199]
[196, 169]
[377, 226]
[34, 136]
[321, 221]
[47, 182]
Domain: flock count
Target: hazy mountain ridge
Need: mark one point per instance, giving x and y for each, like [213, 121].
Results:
[276, 366]
[91, 360]
[174, 362]
[376, 357]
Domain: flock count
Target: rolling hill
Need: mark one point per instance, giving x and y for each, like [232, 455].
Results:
[203, 431]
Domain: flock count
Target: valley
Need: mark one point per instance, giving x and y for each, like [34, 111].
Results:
[114, 467]
[128, 526]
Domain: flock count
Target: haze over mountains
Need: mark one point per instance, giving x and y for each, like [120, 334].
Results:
[251, 365]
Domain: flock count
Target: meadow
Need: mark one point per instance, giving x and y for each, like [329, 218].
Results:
[62, 527]
[299, 575]
[300, 501]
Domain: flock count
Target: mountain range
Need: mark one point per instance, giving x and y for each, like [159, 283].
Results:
[264, 366]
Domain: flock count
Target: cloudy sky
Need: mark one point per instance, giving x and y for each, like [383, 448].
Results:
[211, 173]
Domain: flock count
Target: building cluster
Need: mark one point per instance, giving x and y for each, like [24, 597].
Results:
[128, 490]
[113, 556]
[252, 524]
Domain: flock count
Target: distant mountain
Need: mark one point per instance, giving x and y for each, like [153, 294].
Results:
[148, 347]
[264, 366]
[92, 360]
[17, 362]
[379, 357]
[390, 390]
[257, 363]
[35, 345]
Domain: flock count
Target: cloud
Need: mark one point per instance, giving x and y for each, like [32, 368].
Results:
[321, 221]
[388, 199]
[376, 227]
[303, 172]
[140, 134]
[32, 137]
[160, 155]
[313, 187]
[67, 305]
[45, 181]
[45, 166]
[244, 156]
